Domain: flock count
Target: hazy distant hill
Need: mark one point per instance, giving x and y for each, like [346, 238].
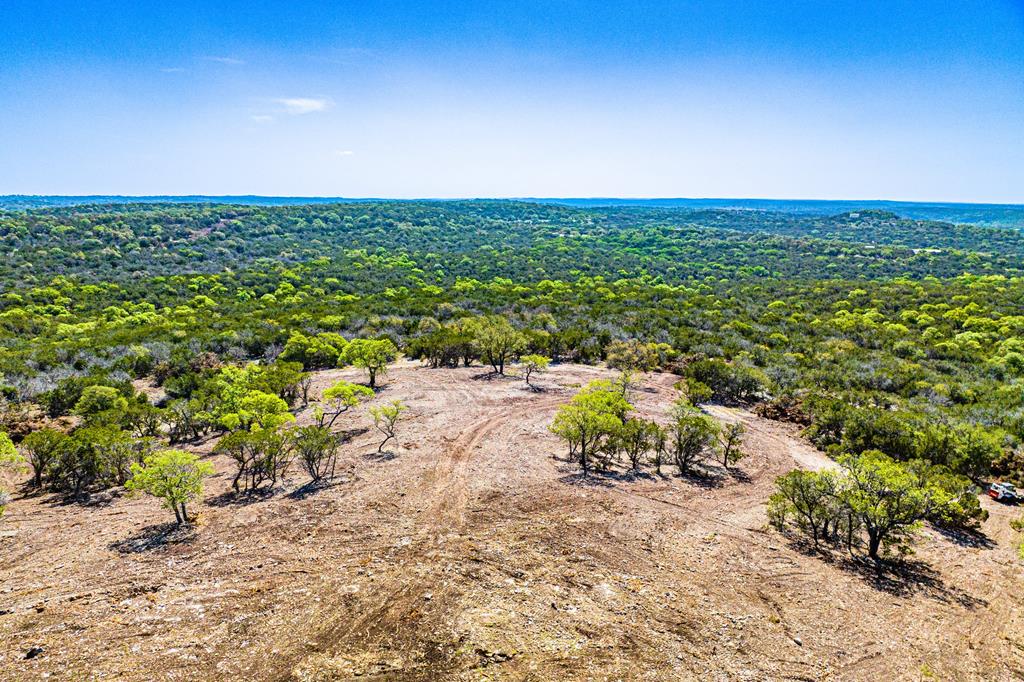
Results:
[988, 215]
[24, 201]
[119, 242]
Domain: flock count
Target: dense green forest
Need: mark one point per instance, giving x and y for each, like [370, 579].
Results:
[453, 239]
[874, 331]
[987, 215]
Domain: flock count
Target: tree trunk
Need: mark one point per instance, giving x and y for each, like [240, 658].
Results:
[849, 533]
[874, 540]
[373, 378]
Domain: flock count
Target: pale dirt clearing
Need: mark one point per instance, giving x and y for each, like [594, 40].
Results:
[473, 553]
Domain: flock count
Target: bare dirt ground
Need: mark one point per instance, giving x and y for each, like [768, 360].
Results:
[471, 553]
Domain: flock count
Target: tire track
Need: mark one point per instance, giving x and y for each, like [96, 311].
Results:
[446, 490]
[450, 480]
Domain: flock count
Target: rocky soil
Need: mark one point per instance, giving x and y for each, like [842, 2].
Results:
[472, 551]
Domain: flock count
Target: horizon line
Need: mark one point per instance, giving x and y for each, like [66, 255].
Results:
[144, 197]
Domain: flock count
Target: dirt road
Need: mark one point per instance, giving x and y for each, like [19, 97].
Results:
[473, 551]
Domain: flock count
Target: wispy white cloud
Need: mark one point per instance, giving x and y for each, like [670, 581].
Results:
[343, 152]
[230, 61]
[262, 118]
[302, 105]
[173, 69]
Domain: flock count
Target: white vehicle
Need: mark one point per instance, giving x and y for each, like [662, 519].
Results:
[1003, 492]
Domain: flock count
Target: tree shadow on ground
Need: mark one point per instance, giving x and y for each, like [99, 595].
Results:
[196, 441]
[491, 375]
[608, 478]
[911, 577]
[704, 478]
[707, 479]
[640, 475]
[51, 498]
[739, 475]
[242, 498]
[966, 538]
[591, 480]
[154, 537]
[901, 577]
[343, 437]
[28, 491]
[385, 456]
[313, 487]
[94, 498]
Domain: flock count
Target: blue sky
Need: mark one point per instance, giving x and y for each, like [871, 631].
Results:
[816, 99]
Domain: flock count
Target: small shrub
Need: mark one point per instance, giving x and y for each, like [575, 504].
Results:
[174, 476]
